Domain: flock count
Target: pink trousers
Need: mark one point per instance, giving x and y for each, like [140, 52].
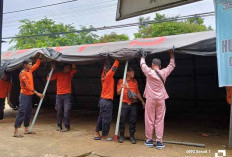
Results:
[154, 119]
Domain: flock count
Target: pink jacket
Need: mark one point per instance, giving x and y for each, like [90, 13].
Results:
[155, 88]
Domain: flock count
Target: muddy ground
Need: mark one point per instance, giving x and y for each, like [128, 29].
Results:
[79, 141]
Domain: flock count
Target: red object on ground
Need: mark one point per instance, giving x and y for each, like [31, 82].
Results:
[115, 137]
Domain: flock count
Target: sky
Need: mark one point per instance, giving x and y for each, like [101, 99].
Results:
[97, 13]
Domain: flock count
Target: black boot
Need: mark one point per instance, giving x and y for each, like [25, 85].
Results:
[121, 138]
[132, 139]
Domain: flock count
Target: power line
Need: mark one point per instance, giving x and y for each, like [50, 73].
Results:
[117, 26]
[40, 7]
[64, 10]
[105, 32]
[63, 15]
[79, 16]
[67, 12]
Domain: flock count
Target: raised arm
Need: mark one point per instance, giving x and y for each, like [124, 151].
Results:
[146, 70]
[74, 70]
[113, 69]
[54, 75]
[36, 65]
[170, 66]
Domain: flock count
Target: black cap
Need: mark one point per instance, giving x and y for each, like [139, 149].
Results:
[130, 68]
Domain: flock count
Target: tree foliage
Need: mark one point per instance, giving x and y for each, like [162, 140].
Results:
[48, 26]
[163, 26]
[113, 37]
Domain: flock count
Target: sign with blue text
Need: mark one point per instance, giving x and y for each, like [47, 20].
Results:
[224, 41]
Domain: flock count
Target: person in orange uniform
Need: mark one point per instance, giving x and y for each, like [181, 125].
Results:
[106, 102]
[63, 97]
[129, 105]
[228, 93]
[5, 89]
[26, 93]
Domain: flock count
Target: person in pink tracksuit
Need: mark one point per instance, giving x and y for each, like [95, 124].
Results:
[155, 94]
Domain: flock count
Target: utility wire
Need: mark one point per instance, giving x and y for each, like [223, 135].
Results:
[117, 26]
[105, 32]
[79, 8]
[63, 15]
[44, 6]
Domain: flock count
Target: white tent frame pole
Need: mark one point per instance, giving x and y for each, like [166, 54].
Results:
[41, 100]
[120, 103]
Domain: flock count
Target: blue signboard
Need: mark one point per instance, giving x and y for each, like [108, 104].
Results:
[224, 41]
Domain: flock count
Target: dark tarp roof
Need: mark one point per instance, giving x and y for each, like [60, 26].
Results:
[201, 43]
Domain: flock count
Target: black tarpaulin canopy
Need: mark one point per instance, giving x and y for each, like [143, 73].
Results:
[201, 43]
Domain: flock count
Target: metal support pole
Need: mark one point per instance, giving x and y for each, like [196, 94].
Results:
[181, 143]
[1, 19]
[41, 100]
[120, 103]
[36, 72]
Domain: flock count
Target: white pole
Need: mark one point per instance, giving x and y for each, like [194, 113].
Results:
[41, 100]
[120, 103]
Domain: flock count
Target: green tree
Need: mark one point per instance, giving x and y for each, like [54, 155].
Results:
[86, 36]
[113, 37]
[196, 20]
[48, 26]
[163, 26]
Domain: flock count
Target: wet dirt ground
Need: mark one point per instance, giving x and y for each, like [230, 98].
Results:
[47, 142]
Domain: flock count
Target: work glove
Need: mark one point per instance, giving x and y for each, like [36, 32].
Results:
[142, 53]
